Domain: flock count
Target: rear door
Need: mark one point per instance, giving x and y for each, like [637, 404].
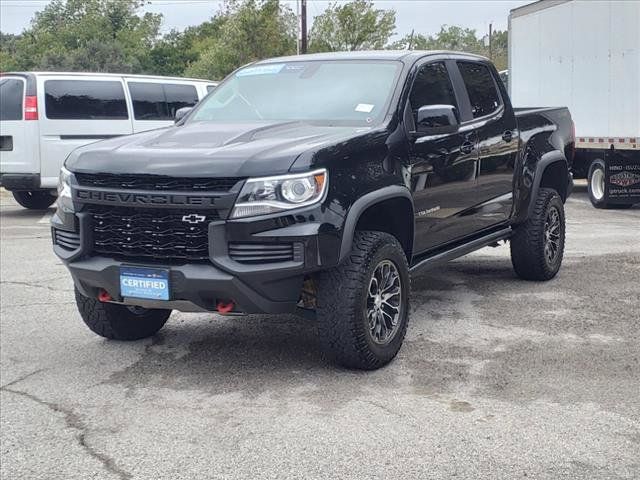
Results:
[18, 151]
[78, 110]
[495, 124]
[155, 101]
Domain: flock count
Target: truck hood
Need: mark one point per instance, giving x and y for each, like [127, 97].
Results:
[208, 149]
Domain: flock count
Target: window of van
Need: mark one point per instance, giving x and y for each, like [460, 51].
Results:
[157, 101]
[85, 100]
[11, 94]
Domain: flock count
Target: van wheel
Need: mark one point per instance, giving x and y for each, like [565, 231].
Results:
[363, 304]
[537, 246]
[596, 187]
[35, 200]
[120, 322]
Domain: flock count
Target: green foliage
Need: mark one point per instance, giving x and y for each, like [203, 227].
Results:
[96, 35]
[355, 25]
[452, 37]
[116, 36]
[250, 30]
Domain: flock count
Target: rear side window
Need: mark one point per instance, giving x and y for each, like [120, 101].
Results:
[156, 101]
[11, 95]
[481, 88]
[85, 100]
[432, 86]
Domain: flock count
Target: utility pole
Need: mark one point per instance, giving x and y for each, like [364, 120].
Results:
[303, 26]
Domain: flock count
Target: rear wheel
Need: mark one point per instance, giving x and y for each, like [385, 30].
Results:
[596, 187]
[120, 322]
[363, 304]
[34, 200]
[537, 246]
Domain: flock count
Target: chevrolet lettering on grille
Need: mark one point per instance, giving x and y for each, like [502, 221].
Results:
[156, 199]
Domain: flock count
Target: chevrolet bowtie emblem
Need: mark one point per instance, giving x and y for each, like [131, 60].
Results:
[194, 218]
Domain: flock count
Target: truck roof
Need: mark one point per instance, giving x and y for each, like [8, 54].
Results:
[370, 55]
[535, 7]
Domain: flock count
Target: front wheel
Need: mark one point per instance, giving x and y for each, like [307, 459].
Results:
[35, 200]
[363, 304]
[120, 322]
[537, 246]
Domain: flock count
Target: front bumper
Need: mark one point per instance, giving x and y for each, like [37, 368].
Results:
[20, 181]
[254, 288]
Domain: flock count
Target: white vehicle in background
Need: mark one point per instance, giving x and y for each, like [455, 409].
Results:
[46, 115]
[585, 55]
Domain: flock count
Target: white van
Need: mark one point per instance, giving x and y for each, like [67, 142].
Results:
[45, 115]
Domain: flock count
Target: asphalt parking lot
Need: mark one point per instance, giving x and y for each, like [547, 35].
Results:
[498, 377]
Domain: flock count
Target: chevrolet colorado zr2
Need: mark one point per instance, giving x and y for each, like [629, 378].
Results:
[314, 184]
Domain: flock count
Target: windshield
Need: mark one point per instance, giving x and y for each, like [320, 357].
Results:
[332, 92]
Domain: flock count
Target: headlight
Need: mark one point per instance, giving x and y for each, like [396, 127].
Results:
[64, 191]
[260, 196]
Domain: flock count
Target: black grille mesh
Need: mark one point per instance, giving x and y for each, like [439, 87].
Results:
[156, 182]
[158, 234]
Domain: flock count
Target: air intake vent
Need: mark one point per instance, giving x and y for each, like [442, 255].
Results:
[266, 252]
[69, 241]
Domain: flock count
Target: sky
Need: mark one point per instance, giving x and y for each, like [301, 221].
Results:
[425, 16]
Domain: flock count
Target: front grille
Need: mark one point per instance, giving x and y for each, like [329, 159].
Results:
[253, 253]
[69, 241]
[151, 234]
[156, 182]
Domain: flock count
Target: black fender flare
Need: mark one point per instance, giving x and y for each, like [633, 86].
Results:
[360, 205]
[546, 160]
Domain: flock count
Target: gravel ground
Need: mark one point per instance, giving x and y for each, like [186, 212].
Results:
[498, 378]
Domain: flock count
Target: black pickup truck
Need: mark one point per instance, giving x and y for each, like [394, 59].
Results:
[314, 184]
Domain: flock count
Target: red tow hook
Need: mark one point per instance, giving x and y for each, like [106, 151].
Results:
[104, 296]
[225, 306]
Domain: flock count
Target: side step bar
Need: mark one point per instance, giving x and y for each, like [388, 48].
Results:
[440, 258]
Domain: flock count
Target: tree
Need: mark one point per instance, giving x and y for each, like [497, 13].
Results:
[250, 30]
[356, 25]
[96, 35]
[453, 37]
[8, 52]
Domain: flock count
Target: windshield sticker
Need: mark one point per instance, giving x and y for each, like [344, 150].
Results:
[364, 107]
[260, 70]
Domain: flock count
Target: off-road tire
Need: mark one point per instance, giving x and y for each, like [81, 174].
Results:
[597, 197]
[119, 322]
[341, 303]
[35, 200]
[528, 241]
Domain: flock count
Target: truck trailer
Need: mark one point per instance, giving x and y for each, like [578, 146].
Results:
[585, 55]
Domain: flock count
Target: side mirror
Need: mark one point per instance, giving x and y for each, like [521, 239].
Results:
[436, 119]
[181, 113]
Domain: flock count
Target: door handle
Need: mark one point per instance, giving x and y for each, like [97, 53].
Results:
[467, 147]
[507, 136]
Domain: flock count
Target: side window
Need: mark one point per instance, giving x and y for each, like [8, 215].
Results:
[210, 88]
[431, 86]
[179, 96]
[11, 95]
[156, 101]
[85, 100]
[148, 101]
[481, 88]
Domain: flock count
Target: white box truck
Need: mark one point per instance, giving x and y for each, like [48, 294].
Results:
[586, 55]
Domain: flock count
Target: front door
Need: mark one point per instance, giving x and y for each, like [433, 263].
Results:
[443, 167]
